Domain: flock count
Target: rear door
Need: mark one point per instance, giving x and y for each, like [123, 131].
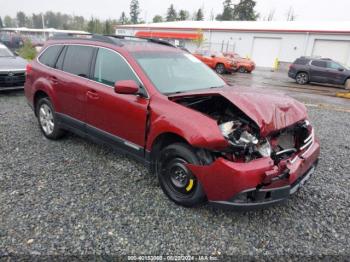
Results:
[319, 71]
[75, 63]
[118, 119]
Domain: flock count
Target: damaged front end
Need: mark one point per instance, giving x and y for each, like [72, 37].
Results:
[254, 170]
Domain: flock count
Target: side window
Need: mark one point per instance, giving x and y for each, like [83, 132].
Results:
[319, 63]
[49, 56]
[335, 66]
[60, 59]
[77, 60]
[111, 67]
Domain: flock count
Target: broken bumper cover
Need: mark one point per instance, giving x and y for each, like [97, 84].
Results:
[241, 185]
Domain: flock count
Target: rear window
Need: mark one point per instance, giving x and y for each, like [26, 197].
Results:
[78, 60]
[49, 56]
[301, 61]
[319, 63]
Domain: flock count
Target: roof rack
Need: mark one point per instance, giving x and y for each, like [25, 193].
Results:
[110, 39]
[153, 40]
[93, 37]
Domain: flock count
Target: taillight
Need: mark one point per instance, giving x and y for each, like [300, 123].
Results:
[28, 69]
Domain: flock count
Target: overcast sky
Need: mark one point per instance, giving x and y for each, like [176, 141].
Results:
[316, 10]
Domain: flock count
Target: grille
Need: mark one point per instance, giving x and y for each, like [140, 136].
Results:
[12, 79]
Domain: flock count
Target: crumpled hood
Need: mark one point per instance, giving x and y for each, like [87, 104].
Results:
[12, 63]
[270, 111]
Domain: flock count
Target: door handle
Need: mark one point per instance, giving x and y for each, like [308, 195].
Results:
[54, 80]
[92, 94]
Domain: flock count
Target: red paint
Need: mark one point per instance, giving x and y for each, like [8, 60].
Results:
[172, 35]
[125, 116]
[245, 63]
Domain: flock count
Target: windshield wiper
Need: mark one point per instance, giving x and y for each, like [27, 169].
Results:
[213, 87]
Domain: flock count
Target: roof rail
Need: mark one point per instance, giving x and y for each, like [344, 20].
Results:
[110, 39]
[153, 40]
[93, 37]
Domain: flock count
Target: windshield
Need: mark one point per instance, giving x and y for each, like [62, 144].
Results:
[177, 72]
[4, 52]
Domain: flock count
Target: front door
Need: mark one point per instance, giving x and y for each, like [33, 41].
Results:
[119, 119]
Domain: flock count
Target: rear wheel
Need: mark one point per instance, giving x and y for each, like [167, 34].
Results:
[47, 119]
[241, 69]
[176, 180]
[347, 84]
[220, 69]
[302, 78]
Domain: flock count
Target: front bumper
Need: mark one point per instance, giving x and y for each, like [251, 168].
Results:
[242, 185]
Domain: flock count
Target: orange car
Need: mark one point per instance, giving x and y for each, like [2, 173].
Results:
[216, 61]
[244, 65]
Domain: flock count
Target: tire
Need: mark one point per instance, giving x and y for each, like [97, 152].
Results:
[302, 78]
[176, 181]
[220, 69]
[241, 69]
[347, 84]
[47, 119]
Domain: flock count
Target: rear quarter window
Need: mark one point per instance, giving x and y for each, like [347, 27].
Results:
[49, 56]
[301, 62]
[319, 63]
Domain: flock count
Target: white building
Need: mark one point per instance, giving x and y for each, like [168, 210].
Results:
[262, 41]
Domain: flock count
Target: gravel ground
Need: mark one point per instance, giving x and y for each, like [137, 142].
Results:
[76, 197]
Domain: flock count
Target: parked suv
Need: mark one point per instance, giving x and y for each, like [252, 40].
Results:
[319, 70]
[205, 140]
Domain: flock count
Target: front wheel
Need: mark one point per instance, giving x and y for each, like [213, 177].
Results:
[175, 179]
[220, 69]
[47, 119]
[347, 84]
[302, 78]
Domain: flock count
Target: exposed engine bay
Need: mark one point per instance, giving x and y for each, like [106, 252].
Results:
[243, 134]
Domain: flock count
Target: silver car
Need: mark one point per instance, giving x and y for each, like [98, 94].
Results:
[12, 69]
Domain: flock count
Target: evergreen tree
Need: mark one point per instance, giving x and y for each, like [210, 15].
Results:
[108, 29]
[244, 11]
[171, 14]
[8, 21]
[157, 19]
[199, 15]
[227, 14]
[1, 24]
[21, 19]
[134, 11]
[183, 15]
[123, 20]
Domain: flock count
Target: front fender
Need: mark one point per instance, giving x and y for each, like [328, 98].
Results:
[197, 129]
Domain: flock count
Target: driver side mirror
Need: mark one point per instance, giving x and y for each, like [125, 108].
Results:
[340, 69]
[212, 56]
[126, 87]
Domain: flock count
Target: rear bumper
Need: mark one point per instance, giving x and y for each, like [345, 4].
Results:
[243, 185]
[292, 74]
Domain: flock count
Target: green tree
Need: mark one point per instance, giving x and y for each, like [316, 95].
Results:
[171, 14]
[36, 20]
[183, 15]
[21, 19]
[108, 28]
[123, 20]
[8, 21]
[244, 11]
[157, 19]
[27, 51]
[134, 11]
[227, 14]
[199, 15]
[1, 24]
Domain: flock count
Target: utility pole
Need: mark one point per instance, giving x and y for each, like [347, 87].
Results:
[43, 22]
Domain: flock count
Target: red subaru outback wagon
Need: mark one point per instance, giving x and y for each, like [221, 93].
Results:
[204, 140]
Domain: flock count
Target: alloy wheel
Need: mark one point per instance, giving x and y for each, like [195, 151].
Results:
[46, 119]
